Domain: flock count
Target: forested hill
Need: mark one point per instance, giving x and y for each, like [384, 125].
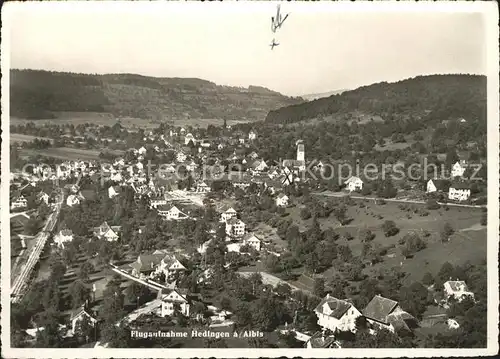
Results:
[39, 94]
[439, 97]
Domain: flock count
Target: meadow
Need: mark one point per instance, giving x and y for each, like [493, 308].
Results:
[67, 153]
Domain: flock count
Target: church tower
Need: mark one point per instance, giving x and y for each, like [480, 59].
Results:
[300, 151]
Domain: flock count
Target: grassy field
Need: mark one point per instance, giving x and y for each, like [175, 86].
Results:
[17, 137]
[468, 243]
[106, 119]
[101, 119]
[67, 153]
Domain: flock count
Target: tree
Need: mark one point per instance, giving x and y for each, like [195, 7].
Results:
[365, 235]
[137, 293]
[446, 232]
[243, 315]
[319, 287]
[32, 226]
[484, 219]
[412, 244]
[85, 270]
[79, 293]
[428, 279]
[432, 204]
[389, 228]
[305, 213]
[84, 329]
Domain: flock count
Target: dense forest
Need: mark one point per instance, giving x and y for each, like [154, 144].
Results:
[435, 97]
[37, 94]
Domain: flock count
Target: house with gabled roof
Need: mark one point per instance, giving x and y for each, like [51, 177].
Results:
[336, 314]
[436, 185]
[170, 265]
[321, 341]
[107, 232]
[253, 241]
[282, 200]
[18, 202]
[228, 212]
[202, 187]
[171, 212]
[146, 264]
[64, 236]
[387, 314]
[458, 169]
[174, 300]
[235, 227]
[459, 191]
[457, 289]
[252, 135]
[354, 184]
[114, 191]
[79, 314]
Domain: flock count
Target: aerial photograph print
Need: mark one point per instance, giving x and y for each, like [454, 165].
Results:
[248, 179]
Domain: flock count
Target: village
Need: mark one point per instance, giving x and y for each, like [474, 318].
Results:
[204, 198]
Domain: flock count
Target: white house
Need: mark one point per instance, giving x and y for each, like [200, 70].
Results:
[235, 227]
[64, 236]
[220, 146]
[336, 314]
[458, 169]
[457, 289]
[189, 137]
[252, 135]
[435, 185]
[253, 241]
[157, 201]
[172, 301]
[43, 197]
[19, 202]
[72, 200]
[227, 214]
[142, 151]
[354, 183]
[202, 187]
[387, 314]
[107, 232]
[181, 157]
[259, 166]
[171, 213]
[459, 192]
[282, 200]
[79, 315]
[113, 191]
[169, 265]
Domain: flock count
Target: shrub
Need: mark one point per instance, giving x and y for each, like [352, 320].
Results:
[389, 228]
[432, 204]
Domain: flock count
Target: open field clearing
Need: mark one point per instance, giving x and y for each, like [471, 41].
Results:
[17, 137]
[101, 119]
[67, 153]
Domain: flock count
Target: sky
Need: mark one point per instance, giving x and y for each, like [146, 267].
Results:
[322, 48]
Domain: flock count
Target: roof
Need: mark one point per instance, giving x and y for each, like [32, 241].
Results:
[66, 232]
[249, 236]
[439, 183]
[319, 341]
[460, 185]
[282, 195]
[353, 179]
[457, 285]
[379, 308]
[337, 306]
[79, 311]
[234, 220]
[146, 262]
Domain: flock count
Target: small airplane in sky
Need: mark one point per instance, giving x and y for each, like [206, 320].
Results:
[273, 44]
[277, 21]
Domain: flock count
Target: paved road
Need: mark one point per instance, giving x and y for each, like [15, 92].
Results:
[270, 279]
[156, 287]
[21, 282]
[145, 309]
[337, 194]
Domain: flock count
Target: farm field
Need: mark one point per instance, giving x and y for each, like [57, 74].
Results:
[106, 119]
[468, 243]
[101, 119]
[66, 153]
[17, 137]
